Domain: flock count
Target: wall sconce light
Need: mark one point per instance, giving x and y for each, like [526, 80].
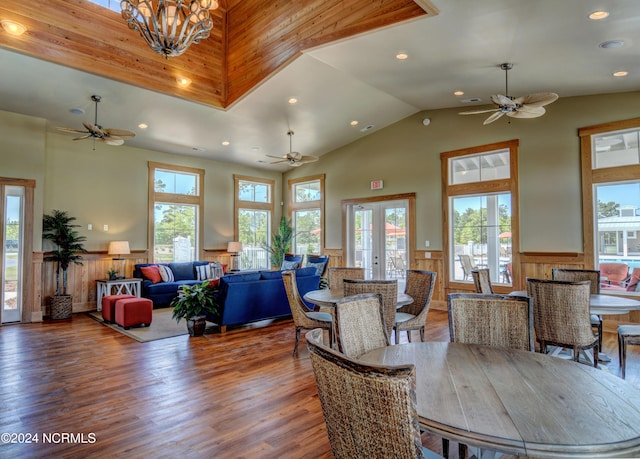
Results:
[119, 248]
[234, 248]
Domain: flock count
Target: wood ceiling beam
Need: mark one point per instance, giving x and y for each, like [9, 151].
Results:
[250, 41]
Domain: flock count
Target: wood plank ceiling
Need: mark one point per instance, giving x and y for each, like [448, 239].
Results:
[250, 41]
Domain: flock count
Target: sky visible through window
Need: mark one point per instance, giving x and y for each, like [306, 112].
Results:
[113, 5]
[625, 194]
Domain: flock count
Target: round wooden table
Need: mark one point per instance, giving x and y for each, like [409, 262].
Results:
[326, 297]
[603, 304]
[519, 402]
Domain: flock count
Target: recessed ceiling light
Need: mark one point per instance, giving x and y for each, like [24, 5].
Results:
[77, 110]
[293, 100]
[143, 125]
[611, 44]
[13, 27]
[354, 123]
[458, 93]
[621, 73]
[226, 142]
[183, 81]
[402, 56]
[596, 15]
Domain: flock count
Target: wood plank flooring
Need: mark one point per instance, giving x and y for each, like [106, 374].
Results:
[233, 396]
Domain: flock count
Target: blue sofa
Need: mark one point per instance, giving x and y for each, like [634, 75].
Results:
[162, 293]
[253, 296]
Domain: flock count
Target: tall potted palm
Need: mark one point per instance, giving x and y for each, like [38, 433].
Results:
[67, 247]
[280, 242]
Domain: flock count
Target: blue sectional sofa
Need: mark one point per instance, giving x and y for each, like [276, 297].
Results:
[161, 293]
[253, 296]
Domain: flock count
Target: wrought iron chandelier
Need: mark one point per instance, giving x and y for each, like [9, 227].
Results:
[169, 26]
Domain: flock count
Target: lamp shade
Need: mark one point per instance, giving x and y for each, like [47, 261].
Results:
[234, 247]
[119, 248]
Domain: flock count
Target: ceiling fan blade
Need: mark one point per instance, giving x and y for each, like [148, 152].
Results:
[284, 158]
[295, 163]
[278, 162]
[75, 131]
[307, 159]
[119, 133]
[83, 137]
[111, 141]
[493, 117]
[527, 111]
[475, 112]
[538, 99]
[503, 101]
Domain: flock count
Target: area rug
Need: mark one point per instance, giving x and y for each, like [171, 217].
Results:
[162, 326]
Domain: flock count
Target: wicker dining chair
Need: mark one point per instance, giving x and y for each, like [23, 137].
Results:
[576, 275]
[338, 275]
[413, 316]
[387, 288]
[482, 280]
[491, 320]
[561, 315]
[303, 317]
[358, 324]
[369, 410]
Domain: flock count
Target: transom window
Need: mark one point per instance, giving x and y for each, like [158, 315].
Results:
[176, 203]
[479, 196]
[306, 206]
[254, 213]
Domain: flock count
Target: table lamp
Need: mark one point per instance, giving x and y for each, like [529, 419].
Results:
[118, 248]
[233, 248]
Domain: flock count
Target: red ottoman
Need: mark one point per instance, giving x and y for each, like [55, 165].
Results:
[134, 311]
[109, 306]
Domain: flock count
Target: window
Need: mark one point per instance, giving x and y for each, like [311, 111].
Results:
[306, 206]
[611, 192]
[176, 202]
[479, 196]
[254, 211]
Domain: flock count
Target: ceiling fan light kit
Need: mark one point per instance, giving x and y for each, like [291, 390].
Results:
[529, 106]
[169, 26]
[293, 158]
[94, 131]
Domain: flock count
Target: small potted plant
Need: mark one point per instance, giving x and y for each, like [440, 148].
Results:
[192, 303]
[113, 274]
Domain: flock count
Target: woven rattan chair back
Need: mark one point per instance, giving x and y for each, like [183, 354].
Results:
[387, 288]
[299, 311]
[561, 315]
[338, 275]
[369, 411]
[467, 265]
[359, 326]
[577, 275]
[482, 280]
[419, 286]
[491, 320]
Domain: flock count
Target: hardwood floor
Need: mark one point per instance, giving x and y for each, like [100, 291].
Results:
[231, 396]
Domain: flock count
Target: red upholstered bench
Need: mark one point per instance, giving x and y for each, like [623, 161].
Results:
[131, 312]
[109, 306]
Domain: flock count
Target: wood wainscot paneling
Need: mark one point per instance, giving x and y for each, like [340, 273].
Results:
[427, 260]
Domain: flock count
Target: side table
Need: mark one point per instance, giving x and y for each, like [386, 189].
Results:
[117, 287]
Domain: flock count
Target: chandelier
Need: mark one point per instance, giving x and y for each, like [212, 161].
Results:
[169, 26]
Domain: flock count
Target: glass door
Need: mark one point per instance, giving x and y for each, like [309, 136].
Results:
[377, 238]
[12, 253]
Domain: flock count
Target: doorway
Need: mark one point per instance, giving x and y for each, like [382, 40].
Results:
[378, 236]
[12, 253]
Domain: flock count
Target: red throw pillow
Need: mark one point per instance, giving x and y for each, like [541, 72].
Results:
[224, 268]
[214, 283]
[152, 273]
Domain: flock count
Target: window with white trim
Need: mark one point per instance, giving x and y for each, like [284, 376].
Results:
[306, 206]
[254, 213]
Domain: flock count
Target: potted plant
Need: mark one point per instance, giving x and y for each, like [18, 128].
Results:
[280, 242]
[112, 273]
[192, 303]
[59, 229]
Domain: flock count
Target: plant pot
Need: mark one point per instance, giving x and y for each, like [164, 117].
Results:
[196, 326]
[61, 307]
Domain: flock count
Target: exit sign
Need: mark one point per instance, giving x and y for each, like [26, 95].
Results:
[376, 184]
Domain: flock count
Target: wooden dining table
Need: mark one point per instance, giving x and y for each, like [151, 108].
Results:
[326, 297]
[519, 402]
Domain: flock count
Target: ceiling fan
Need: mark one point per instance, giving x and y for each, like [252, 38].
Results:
[529, 106]
[294, 158]
[94, 131]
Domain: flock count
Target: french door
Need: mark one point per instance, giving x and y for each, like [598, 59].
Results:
[377, 238]
[13, 198]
